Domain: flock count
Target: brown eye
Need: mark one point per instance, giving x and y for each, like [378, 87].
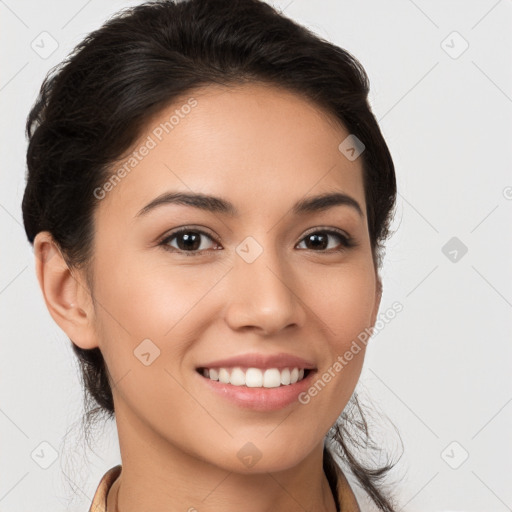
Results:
[188, 241]
[321, 241]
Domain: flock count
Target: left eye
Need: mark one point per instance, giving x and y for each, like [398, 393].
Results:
[320, 240]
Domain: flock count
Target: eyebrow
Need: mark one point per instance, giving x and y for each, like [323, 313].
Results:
[215, 204]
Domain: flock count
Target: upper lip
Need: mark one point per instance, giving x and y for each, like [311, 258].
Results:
[279, 361]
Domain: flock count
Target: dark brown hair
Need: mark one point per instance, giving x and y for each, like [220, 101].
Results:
[93, 106]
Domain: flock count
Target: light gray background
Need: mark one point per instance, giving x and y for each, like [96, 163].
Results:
[441, 370]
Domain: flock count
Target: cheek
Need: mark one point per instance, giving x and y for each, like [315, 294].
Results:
[149, 318]
[344, 299]
[344, 302]
[152, 312]
[150, 300]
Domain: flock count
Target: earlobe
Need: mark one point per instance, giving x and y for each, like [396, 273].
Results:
[66, 296]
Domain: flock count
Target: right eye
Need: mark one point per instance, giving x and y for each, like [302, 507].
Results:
[189, 242]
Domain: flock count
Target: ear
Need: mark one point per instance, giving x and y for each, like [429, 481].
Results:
[65, 293]
[378, 297]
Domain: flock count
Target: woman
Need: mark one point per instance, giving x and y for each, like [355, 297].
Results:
[208, 194]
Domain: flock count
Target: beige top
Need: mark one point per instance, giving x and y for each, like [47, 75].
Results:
[346, 497]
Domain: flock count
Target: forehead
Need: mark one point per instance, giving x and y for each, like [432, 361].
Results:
[257, 144]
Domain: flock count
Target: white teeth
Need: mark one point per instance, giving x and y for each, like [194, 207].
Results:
[224, 376]
[255, 377]
[272, 378]
[237, 377]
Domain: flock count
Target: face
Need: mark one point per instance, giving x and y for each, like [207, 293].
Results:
[187, 290]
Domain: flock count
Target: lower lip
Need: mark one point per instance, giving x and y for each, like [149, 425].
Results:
[260, 399]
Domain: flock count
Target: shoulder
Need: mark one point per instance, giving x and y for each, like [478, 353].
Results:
[99, 502]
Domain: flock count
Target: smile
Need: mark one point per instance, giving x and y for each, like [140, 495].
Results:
[255, 377]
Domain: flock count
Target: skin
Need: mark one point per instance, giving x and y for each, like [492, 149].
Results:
[262, 148]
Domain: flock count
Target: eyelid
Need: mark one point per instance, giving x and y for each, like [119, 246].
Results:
[328, 229]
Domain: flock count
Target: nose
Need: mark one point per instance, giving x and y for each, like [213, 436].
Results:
[262, 297]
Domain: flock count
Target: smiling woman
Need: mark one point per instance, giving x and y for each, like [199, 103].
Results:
[208, 196]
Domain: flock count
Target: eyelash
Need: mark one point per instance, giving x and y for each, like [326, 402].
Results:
[346, 241]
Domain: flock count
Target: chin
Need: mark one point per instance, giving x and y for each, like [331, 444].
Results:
[262, 456]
